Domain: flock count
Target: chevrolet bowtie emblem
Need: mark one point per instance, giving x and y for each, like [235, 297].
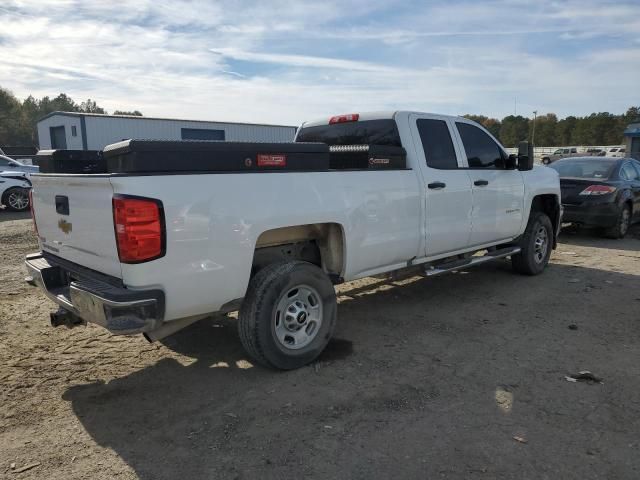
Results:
[65, 226]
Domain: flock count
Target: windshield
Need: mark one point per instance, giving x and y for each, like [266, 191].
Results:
[8, 161]
[368, 132]
[587, 168]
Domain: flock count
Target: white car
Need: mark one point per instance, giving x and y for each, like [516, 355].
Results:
[618, 152]
[172, 232]
[14, 166]
[14, 191]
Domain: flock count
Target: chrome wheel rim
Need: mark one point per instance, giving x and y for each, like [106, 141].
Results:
[541, 245]
[18, 199]
[624, 221]
[297, 317]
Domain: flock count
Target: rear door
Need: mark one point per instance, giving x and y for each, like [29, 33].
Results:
[74, 218]
[498, 192]
[447, 186]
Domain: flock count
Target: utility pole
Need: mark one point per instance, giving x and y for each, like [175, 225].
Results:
[533, 134]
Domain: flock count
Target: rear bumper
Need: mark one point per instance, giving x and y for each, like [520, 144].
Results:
[96, 298]
[597, 215]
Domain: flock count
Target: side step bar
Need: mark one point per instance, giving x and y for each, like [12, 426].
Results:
[470, 262]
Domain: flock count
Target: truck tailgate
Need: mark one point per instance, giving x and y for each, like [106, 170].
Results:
[74, 218]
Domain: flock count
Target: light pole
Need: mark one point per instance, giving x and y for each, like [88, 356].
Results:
[533, 134]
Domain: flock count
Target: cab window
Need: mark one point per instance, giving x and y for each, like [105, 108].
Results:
[481, 150]
[437, 144]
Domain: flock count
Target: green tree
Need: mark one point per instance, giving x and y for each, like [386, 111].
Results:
[546, 130]
[90, 106]
[9, 117]
[514, 129]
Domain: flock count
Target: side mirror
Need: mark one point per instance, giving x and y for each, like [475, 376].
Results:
[525, 156]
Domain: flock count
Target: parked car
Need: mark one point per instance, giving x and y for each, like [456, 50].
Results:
[600, 192]
[14, 191]
[172, 232]
[11, 165]
[560, 153]
[596, 152]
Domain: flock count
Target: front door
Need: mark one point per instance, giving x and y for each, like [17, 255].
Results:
[498, 192]
[447, 186]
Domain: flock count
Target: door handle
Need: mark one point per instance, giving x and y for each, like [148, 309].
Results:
[481, 183]
[436, 185]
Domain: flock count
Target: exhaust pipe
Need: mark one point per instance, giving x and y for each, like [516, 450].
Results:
[66, 318]
[171, 327]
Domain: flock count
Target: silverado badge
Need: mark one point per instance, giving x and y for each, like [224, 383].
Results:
[65, 226]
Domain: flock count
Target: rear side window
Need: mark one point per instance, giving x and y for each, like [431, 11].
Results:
[481, 150]
[367, 132]
[628, 172]
[437, 144]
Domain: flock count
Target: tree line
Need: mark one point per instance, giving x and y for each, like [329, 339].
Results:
[18, 118]
[596, 129]
[18, 123]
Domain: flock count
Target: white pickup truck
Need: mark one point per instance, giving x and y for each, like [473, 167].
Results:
[151, 250]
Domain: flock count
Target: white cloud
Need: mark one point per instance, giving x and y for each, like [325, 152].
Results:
[285, 62]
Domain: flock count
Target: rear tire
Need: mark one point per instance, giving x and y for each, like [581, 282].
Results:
[546, 161]
[288, 315]
[536, 244]
[16, 199]
[621, 228]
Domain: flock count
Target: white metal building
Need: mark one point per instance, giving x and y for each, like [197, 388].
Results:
[89, 131]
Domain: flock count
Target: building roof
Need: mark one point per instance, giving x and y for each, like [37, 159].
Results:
[136, 117]
[632, 130]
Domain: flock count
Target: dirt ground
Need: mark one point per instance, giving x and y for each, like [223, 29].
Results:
[458, 376]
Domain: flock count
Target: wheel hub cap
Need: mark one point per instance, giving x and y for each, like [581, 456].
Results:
[298, 317]
[18, 200]
[541, 244]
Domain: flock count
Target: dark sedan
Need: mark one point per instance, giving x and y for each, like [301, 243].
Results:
[600, 192]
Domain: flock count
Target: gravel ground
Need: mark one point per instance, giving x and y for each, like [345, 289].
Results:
[458, 376]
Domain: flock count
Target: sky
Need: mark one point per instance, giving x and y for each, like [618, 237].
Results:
[288, 61]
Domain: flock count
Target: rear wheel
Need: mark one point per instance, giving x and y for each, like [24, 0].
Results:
[536, 245]
[620, 229]
[16, 199]
[546, 161]
[288, 315]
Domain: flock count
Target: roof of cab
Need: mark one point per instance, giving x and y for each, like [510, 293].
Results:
[376, 115]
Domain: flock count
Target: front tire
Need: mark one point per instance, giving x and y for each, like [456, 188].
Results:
[620, 229]
[288, 315]
[546, 161]
[16, 199]
[536, 244]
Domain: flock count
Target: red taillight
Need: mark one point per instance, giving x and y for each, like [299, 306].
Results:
[350, 117]
[33, 215]
[139, 226]
[270, 160]
[598, 190]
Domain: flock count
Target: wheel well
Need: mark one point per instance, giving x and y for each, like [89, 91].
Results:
[319, 243]
[549, 204]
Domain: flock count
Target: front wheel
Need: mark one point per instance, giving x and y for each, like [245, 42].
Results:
[16, 199]
[288, 315]
[536, 244]
[546, 161]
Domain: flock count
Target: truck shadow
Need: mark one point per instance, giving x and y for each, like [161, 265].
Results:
[220, 417]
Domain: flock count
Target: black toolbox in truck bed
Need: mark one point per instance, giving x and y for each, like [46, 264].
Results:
[147, 156]
[70, 161]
